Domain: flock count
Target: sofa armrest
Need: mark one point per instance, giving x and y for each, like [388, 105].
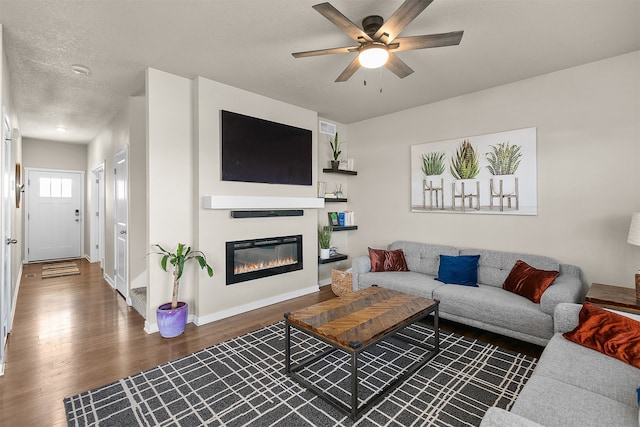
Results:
[498, 417]
[565, 317]
[566, 288]
[359, 265]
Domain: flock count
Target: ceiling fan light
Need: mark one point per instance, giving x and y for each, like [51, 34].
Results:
[373, 56]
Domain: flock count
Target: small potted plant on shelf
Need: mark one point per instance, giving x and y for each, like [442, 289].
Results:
[324, 240]
[172, 316]
[335, 149]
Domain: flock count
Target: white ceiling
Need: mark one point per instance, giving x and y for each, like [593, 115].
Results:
[248, 44]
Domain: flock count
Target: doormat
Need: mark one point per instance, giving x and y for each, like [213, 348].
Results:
[59, 269]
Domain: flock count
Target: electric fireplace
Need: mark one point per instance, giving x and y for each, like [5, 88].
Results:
[256, 258]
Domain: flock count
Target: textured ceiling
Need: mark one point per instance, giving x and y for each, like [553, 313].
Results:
[248, 44]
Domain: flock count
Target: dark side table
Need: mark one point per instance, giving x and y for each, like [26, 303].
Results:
[615, 297]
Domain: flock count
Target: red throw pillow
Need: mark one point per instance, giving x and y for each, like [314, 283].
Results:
[528, 281]
[377, 259]
[609, 333]
[382, 260]
[394, 261]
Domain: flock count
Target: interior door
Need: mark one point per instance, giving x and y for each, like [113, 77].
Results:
[121, 222]
[7, 240]
[54, 215]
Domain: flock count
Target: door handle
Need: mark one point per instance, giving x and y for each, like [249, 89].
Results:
[123, 232]
[11, 241]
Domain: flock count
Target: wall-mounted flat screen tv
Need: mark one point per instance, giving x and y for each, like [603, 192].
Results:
[257, 150]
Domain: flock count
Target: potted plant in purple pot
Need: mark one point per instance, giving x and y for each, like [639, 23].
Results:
[172, 316]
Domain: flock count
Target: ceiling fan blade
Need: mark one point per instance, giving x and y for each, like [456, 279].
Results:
[428, 41]
[406, 13]
[341, 21]
[330, 51]
[397, 66]
[349, 71]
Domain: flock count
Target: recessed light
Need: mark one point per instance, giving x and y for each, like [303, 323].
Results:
[80, 69]
[61, 129]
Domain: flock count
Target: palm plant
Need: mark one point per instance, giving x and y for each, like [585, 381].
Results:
[465, 163]
[504, 159]
[177, 259]
[324, 236]
[433, 163]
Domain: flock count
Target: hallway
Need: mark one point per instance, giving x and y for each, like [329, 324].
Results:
[74, 333]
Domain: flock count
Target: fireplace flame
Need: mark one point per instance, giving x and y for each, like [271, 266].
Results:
[248, 268]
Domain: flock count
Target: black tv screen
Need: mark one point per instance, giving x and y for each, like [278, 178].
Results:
[257, 150]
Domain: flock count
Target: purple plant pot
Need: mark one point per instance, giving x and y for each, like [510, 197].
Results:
[171, 323]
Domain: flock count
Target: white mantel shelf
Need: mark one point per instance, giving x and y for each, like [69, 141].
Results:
[261, 202]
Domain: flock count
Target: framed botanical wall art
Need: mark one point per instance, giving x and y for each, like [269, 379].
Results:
[485, 174]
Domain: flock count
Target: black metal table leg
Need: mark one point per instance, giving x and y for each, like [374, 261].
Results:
[287, 347]
[354, 385]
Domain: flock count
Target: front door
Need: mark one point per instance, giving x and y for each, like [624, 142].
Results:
[54, 214]
[121, 221]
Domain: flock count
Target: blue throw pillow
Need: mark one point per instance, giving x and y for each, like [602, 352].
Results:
[459, 270]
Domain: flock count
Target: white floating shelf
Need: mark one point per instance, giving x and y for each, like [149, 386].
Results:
[261, 202]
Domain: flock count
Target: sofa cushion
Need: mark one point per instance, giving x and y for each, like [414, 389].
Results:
[608, 333]
[495, 266]
[423, 257]
[585, 368]
[551, 402]
[528, 281]
[458, 270]
[404, 281]
[495, 306]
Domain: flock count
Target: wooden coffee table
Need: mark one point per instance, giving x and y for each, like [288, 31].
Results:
[353, 323]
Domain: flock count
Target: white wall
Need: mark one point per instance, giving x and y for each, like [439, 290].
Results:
[125, 129]
[216, 226]
[37, 153]
[339, 240]
[588, 123]
[169, 183]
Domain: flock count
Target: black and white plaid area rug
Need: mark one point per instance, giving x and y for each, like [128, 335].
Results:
[241, 382]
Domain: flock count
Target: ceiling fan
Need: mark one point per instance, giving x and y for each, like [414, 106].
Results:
[378, 40]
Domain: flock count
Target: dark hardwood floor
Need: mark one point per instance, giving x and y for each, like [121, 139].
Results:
[71, 334]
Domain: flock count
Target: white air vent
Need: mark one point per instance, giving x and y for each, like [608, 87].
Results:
[327, 128]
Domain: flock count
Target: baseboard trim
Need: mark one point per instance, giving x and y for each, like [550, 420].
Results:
[151, 328]
[14, 303]
[253, 305]
[324, 282]
[109, 280]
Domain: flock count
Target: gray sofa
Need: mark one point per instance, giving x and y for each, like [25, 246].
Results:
[488, 306]
[573, 386]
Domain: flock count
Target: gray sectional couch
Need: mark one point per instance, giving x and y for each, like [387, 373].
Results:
[573, 386]
[487, 306]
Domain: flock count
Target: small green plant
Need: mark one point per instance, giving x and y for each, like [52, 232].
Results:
[324, 236]
[465, 163]
[504, 159]
[177, 259]
[335, 147]
[433, 163]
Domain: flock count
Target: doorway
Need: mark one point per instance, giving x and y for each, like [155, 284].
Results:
[54, 214]
[96, 251]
